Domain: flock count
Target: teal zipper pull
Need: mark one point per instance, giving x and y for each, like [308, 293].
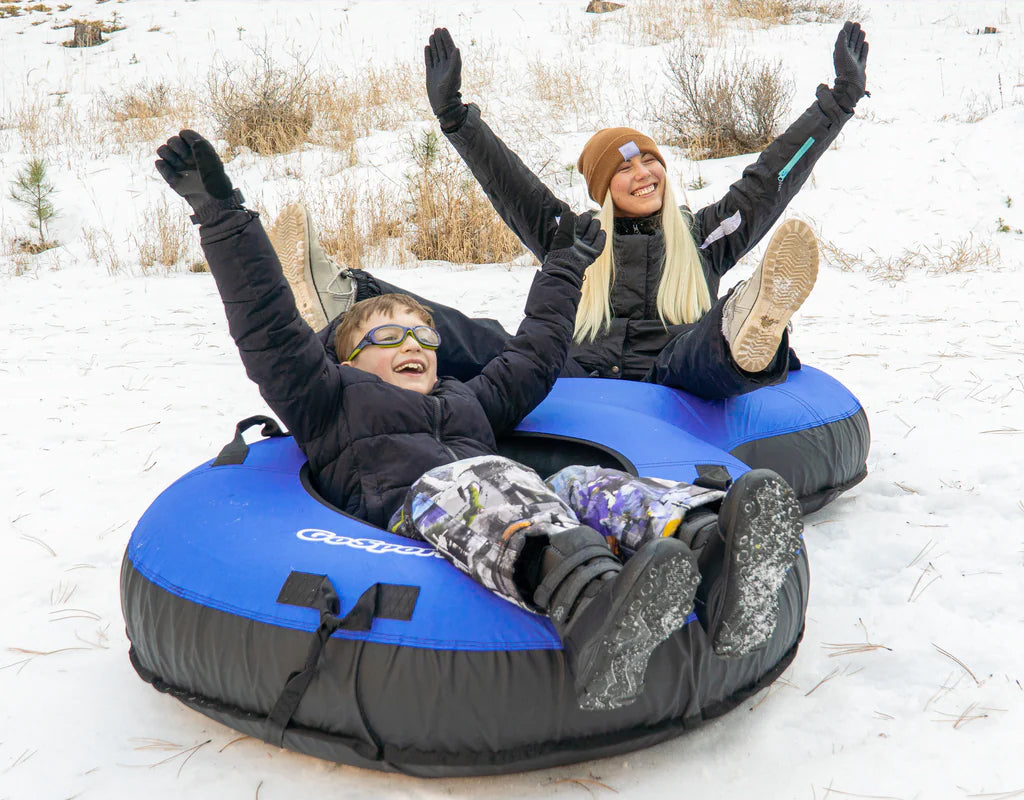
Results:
[792, 162]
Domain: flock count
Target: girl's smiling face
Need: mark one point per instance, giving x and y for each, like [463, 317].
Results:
[638, 186]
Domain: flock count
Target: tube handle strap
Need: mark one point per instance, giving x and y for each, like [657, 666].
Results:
[380, 601]
[235, 451]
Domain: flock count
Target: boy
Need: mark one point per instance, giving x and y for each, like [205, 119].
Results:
[392, 444]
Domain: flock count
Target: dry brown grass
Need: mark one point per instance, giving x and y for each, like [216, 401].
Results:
[436, 213]
[165, 238]
[102, 248]
[143, 112]
[653, 22]
[377, 98]
[572, 89]
[730, 107]
[47, 123]
[768, 13]
[355, 224]
[962, 255]
[451, 219]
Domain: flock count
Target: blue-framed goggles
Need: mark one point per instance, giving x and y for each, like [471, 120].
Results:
[392, 335]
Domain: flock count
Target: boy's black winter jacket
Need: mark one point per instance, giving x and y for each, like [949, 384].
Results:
[723, 232]
[368, 441]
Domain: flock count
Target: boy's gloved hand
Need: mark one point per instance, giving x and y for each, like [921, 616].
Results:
[193, 169]
[578, 241]
[444, 79]
[850, 58]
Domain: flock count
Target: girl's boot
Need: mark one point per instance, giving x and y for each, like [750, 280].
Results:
[322, 291]
[758, 310]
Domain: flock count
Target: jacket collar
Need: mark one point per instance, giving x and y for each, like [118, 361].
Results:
[627, 226]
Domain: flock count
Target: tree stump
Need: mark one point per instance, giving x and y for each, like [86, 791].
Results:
[601, 6]
[87, 34]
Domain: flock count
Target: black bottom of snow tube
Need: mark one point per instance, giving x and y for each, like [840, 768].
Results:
[435, 713]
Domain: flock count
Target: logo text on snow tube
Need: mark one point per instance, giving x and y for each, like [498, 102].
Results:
[370, 545]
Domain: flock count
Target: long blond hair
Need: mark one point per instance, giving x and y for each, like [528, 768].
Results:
[683, 294]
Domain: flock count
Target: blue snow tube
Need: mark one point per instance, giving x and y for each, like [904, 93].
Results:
[250, 599]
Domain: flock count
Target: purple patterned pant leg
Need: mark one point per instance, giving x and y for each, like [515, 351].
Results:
[629, 510]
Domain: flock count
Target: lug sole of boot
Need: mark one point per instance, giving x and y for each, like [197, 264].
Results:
[654, 608]
[289, 236]
[788, 273]
[764, 536]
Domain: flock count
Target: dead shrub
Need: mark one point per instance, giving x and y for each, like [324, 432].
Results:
[734, 107]
[263, 106]
[451, 218]
[142, 101]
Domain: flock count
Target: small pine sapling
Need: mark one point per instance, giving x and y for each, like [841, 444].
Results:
[32, 189]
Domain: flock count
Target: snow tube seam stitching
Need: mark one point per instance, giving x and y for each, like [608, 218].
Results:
[733, 443]
[382, 638]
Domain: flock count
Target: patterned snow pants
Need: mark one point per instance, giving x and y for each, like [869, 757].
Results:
[478, 512]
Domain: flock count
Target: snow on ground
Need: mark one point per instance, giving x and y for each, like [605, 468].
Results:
[113, 385]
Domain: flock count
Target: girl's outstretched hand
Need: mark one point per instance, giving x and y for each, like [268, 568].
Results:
[444, 79]
[850, 58]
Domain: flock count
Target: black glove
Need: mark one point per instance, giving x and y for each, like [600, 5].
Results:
[850, 58]
[578, 241]
[193, 169]
[444, 79]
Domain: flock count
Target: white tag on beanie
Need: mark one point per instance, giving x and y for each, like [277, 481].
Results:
[628, 150]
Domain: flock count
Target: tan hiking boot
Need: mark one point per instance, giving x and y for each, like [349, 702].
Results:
[322, 291]
[759, 309]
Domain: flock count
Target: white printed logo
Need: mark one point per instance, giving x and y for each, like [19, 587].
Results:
[370, 545]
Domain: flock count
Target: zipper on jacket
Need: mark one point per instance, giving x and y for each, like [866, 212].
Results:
[437, 427]
[792, 162]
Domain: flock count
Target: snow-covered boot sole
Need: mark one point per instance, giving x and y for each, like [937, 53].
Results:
[763, 527]
[289, 236]
[653, 598]
[759, 310]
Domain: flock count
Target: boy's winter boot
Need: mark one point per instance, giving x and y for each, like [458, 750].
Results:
[322, 291]
[761, 521]
[757, 312]
[610, 617]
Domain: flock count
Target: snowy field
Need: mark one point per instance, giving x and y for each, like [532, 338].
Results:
[115, 379]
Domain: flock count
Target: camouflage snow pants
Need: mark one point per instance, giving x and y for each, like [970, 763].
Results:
[478, 512]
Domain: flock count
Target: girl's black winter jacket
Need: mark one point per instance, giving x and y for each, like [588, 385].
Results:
[723, 232]
[366, 440]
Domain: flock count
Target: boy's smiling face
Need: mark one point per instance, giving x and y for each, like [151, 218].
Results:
[409, 365]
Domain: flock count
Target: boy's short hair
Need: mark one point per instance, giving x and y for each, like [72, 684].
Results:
[347, 334]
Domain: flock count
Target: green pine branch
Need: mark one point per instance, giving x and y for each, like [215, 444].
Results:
[32, 189]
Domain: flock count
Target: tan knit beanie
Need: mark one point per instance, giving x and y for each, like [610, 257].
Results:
[605, 151]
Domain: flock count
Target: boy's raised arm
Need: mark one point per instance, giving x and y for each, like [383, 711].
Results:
[280, 352]
[516, 380]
